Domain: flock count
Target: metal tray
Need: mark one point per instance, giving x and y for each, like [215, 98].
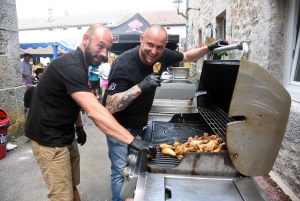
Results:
[169, 106]
[180, 72]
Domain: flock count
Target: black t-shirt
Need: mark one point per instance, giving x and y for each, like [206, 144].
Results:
[53, 112]
[127, 70]
[28, 96]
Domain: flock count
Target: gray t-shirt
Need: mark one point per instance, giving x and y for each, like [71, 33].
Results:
[26, 69]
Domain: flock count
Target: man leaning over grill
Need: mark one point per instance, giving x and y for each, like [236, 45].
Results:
[56, 102]
[131, 89]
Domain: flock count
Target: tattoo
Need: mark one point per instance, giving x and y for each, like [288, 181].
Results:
[120, 101]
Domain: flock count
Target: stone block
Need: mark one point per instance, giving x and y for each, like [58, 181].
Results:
[8, 13]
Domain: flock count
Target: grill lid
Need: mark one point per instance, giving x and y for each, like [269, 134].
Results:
[253, 144]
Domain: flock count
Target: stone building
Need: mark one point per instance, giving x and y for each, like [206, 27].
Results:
[271, 28]
[11, 93]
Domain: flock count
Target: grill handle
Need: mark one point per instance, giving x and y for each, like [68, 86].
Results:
[242, 45]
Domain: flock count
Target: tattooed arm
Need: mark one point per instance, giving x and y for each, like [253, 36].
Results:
[119, 101]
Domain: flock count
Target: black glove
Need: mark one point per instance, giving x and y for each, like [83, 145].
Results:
[81, 136]
[216, 44]
[149, 82]
[141, 145]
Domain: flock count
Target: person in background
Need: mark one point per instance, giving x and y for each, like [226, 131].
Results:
[38, 73]
[47, 65]
[104, 70]
[27, 77]
[94, 80]
[28, 95]
[37, 65]
[55, 107]
[131, 89]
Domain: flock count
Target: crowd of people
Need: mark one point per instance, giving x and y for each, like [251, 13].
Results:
[128, 84]
[31, 73]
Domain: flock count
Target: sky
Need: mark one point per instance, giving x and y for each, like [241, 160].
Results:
[39, 8]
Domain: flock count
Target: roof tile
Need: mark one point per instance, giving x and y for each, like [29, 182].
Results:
[111, 19]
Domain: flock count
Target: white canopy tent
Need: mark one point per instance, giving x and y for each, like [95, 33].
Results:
[49, 43]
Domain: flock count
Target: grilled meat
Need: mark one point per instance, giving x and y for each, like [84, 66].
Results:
[168, 151]
[162, 146]
[156, 67]
[205, 143]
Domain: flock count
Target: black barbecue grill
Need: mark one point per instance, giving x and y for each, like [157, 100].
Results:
[245, 106]
[218, 80]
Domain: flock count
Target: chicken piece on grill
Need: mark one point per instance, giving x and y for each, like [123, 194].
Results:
[220, 147]
[162, 146]
[195, 142]
[176, 144]
[211, 145]
[205, 143]
[182, 149]
[168, 151]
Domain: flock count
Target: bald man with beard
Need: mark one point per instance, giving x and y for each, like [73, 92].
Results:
[131, 89]
[56, 102]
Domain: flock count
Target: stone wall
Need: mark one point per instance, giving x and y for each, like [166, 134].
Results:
[11, 91]
[263, 24]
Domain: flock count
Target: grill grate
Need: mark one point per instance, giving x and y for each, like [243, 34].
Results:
[165, 132]
[216, 118]
[215, 122]
[164, 160]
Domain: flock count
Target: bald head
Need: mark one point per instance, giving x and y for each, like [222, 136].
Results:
[156, 29]
[96, 28]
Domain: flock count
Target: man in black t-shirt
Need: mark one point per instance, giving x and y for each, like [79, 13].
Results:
[131, 89]
[56, 102]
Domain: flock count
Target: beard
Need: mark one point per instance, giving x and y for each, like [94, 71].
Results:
[89, 57]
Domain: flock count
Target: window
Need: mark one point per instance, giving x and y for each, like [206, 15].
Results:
[296, 63]
[209, 30]
[292, 69]
[200, 36]
[221, 26]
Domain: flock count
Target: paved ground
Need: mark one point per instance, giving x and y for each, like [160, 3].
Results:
[21, 179]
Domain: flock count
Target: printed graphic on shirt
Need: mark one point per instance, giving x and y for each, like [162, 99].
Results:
[112, 87]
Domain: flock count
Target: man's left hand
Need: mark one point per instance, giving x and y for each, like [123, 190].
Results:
[81, 135]
[216, 44]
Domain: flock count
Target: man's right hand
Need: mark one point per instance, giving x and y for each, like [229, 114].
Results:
[149, 82]
[141, 145]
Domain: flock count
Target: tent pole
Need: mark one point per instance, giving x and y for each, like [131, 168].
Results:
[55, 47]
